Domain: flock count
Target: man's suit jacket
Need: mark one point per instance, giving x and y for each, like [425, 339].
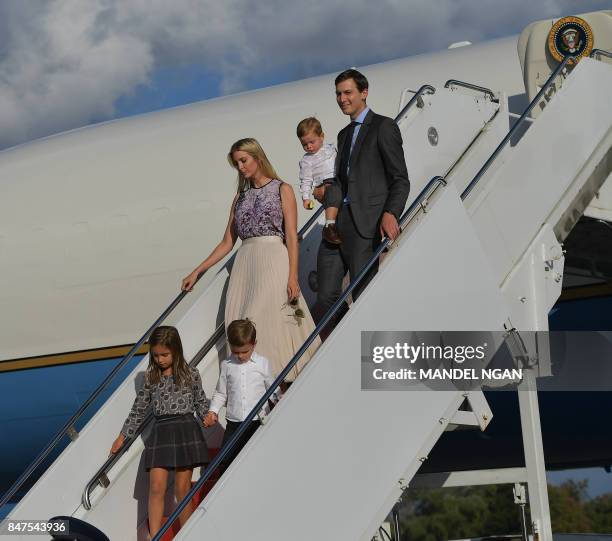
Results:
[378, 179]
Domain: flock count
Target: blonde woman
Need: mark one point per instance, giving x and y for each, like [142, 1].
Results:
[263, 285]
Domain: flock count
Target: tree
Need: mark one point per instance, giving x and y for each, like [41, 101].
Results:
[431, 515]
[455, 513]
[599, 511]
[567, 512]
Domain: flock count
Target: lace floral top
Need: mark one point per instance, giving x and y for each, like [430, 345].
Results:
[259, 212]
[167, 398]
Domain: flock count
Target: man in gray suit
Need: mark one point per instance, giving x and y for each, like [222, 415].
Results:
[371, 171]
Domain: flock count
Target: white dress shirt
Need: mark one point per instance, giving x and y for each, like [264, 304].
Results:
[241, 385]
[315, 168]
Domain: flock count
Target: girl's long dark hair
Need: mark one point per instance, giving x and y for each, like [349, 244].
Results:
[169, 337]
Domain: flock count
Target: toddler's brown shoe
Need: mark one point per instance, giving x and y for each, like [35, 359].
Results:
[330, 234]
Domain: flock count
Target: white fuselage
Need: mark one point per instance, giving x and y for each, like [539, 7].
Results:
[98, 225]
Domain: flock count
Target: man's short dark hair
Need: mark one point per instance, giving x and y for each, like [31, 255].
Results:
[360, 79]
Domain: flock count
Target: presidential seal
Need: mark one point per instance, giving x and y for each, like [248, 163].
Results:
[570, 36]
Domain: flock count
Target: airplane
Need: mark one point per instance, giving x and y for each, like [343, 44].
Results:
[124, 209]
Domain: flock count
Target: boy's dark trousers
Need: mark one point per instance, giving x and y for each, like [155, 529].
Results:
[230, 428]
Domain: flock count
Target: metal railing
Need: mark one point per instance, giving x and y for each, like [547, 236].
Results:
[560, 68]
[311, 221]
[416, 99]
[600, 52]
[419, 204]
[484, 90]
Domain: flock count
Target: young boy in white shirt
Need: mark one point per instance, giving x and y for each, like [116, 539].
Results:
[317, 167]
[243, 380]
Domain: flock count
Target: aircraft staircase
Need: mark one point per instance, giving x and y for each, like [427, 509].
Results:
[479, 251]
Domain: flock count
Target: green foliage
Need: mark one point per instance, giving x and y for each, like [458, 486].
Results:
[599, 511]
[456, 513]
[567, 512]
[431, 515]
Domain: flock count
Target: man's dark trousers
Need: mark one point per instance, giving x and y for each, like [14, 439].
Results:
[376, 182]
[334, 260]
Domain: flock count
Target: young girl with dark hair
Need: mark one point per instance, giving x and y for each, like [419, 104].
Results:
[176, 442]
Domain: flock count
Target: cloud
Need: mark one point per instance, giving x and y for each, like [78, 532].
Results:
[65, 63]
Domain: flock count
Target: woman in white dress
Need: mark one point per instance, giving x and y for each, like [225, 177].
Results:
[263, 284]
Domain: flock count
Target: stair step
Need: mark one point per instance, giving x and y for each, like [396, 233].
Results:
[201, 494]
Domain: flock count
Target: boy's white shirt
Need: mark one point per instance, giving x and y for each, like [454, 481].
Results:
[315, 168]
[241, 385]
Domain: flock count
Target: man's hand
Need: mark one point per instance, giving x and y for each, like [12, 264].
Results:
[319, 193]
[389, 226]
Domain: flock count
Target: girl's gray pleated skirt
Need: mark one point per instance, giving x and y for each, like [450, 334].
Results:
[175, 441]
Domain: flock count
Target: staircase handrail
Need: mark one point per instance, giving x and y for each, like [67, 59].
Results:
[559, 69]
[600, 52]
[416, 99]
[484, 90]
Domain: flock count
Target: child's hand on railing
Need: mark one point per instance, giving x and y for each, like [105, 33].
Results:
[117, 444]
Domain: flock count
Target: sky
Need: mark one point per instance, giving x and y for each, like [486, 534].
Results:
[69, 63]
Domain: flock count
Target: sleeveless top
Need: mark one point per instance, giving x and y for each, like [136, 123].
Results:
[259, 212]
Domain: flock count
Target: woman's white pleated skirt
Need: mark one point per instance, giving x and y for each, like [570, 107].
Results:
[257, 290]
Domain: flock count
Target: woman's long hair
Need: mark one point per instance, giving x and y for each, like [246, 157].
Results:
[168, 337]
[252, 147]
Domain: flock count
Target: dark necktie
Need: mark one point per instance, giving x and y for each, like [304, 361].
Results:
[345, 156]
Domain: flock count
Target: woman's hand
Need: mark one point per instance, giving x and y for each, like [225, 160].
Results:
[293, 288]
[189, 281]
[117, 444]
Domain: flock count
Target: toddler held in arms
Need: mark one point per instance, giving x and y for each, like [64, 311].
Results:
[317, 175]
